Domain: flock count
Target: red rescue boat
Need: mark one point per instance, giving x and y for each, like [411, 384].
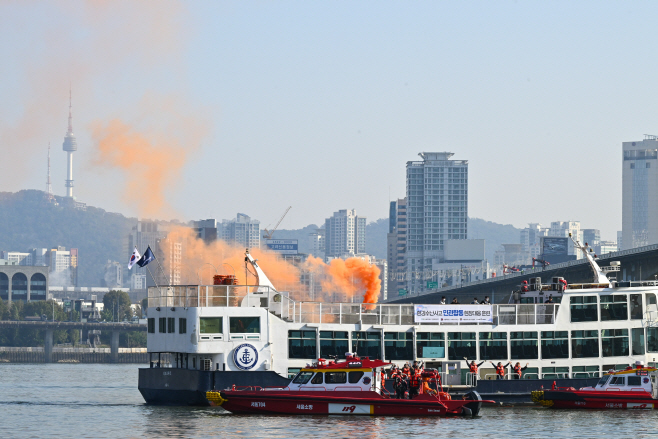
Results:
[633, 388]
[350, 387]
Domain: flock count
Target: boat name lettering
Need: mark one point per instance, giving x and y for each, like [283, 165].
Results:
[166, 373]
[257, 404]
[304, 406]
[349, 408]
[614, 405]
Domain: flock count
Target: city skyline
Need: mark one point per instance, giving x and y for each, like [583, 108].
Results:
[317, 92]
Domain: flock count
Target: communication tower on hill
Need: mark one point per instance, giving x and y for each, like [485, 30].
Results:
[70, 145]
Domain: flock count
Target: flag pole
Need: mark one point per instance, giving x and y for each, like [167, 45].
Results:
[161, 269]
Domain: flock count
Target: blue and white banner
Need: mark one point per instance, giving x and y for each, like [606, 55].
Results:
[283, 246]
[453, 313]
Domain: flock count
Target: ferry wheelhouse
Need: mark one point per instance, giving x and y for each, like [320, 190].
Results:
[205, 337]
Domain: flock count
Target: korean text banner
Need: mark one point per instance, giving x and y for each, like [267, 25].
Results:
[453, 313]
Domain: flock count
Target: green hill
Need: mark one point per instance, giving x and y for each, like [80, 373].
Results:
[28, 221]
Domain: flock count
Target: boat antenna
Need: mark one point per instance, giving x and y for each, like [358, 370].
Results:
[599, 275]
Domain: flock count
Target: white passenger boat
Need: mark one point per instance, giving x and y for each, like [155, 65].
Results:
[209, 337]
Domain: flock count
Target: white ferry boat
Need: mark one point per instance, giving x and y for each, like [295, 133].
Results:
[210, 337]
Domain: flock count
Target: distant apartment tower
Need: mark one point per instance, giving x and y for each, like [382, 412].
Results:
[17, 258]
[382, 264]
[241, 231]
[143, 235]
[639, 194]
[317, 243]
[396, 241]
[437, 210]
[562, 229]
[531, 239]
[113, 277]
[206, 230]
[345, 234]
[64, 266]
[593, 238]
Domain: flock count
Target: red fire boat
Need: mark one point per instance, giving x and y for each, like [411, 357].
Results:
[350, 387]
[633, 388]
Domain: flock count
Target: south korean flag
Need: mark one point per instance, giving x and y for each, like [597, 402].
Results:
[134, 258]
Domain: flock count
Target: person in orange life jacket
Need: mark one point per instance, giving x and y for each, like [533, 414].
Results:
[383, 377]
[518, 370]
[473, 368]
[414, 384]
[500, 369]
[426, 389]
[406, 371]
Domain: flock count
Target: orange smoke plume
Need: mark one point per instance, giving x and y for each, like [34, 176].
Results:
[350, 277]
[198, 261]
[149, 168]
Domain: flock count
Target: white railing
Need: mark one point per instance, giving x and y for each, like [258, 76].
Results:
[319, 312]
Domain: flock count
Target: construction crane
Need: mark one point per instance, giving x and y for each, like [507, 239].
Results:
[540, 261]
[268, 233]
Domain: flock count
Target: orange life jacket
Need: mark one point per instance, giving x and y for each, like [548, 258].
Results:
[474, 368]
[383, 375]
[406, 371]
[500, 370]
[517, 369]
[414, 382]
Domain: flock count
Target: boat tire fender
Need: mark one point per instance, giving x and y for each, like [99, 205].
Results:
[476, 403]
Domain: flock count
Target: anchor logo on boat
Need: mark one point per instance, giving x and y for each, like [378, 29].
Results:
[245, 356]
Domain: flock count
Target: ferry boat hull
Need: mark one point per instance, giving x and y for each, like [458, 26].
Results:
[347, 403]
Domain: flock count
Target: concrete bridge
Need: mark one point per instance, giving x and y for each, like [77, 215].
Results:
[49, 327]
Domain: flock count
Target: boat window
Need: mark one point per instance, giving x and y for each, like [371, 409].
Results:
[614, 307]
[317, 379]
[583, 309]
[210, 325]
[151, 325]
[369, 343]
[635, 381]
[430, 345]
[636, 306]
[637, 341]
[460, 345]
[523, 345]
[652, 339]
[399, 345]
[493, 345]
[355, 376]
[614, 342]
[244, 325]
[618, 381]
[651, 299]
[302, 377]
[335, 378]
[302, 344]
[604, 379]
[333, 344]
[554, 344]
[584, 344]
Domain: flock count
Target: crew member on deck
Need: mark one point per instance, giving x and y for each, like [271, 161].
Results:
[473, 368]
[518, 370]
[414, 383]
[500, 369]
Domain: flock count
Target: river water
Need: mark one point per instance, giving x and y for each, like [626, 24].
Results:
[102, 400]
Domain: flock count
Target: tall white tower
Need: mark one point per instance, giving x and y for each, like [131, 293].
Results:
[70, 145]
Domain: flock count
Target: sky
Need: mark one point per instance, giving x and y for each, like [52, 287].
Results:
[218, 107]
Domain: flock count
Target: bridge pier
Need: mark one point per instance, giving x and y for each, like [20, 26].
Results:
[48, 347]
[114, 347]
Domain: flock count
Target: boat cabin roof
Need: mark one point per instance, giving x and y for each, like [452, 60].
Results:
[633, 371]
[350, 362]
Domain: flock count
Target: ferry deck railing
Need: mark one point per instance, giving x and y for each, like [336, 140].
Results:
[342, 313]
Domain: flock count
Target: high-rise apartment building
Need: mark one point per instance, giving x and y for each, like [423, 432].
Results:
[206, 230]
[17, 258]
[593, 238]
[344, 234]
[143, 235]
[562, 229]
[241, 231]
[316, 243]
[64, 266]
[396, 242]
[639, 194]
[530, 240]
[437, 210]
